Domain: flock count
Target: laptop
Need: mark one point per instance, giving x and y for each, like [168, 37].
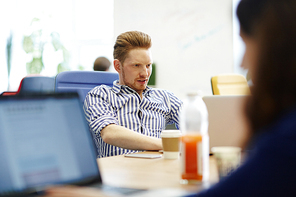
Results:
[45, 140]
[227, 125]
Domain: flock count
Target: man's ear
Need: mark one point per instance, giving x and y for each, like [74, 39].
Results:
[117, 65]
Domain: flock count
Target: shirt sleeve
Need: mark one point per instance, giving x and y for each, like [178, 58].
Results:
[175, 108]
[98, 111]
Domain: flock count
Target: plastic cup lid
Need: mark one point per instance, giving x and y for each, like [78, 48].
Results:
[225, 149]
[170, 133]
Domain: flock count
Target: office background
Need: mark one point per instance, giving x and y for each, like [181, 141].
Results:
[192, 39]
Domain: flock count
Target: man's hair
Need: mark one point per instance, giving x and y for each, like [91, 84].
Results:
[101, 64]
[128, 41]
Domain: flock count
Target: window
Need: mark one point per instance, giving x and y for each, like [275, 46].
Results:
[81, 31]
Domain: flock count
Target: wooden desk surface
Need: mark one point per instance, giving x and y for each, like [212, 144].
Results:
[142, 173]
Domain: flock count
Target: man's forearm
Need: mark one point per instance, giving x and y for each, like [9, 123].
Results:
[125, 138]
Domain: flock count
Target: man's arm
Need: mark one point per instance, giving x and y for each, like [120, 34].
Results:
[176, 105]
[125, 138]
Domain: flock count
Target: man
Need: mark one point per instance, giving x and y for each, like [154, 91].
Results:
[101, 64]
[130, 116]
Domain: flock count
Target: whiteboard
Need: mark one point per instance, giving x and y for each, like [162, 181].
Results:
[191, 39]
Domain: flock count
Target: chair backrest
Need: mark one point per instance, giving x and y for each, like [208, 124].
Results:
[83, 81]
[9, 93]
[230, 84]
[37, 84]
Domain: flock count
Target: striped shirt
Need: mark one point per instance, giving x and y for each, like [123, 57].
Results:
[123, 106]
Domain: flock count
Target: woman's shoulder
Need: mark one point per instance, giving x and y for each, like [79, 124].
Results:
[280, 136]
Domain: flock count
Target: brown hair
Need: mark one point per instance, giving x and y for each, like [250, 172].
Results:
[128, 41]
[101, 64]
[274, 91]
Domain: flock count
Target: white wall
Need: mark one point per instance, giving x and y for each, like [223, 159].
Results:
[192, 39]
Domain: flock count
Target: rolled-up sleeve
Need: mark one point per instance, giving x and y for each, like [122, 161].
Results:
[98, 112]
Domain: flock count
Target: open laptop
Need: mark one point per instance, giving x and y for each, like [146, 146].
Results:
[45, 140]
[227, 126]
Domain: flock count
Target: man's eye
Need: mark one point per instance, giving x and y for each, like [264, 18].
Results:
[136, 65]
[148, 65]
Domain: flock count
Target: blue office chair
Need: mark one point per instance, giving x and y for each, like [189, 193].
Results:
[37, 84]
[83, 81]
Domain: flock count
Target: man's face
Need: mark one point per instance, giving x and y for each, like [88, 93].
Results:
[136, 69]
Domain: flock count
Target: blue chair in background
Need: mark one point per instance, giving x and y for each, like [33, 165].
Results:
[37, 84]
[83, 81]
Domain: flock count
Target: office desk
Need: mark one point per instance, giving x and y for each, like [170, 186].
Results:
[147, 173]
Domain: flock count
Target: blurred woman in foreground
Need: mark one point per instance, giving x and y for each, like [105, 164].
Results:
[268, 28]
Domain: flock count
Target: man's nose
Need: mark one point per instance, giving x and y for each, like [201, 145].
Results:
[144, 71]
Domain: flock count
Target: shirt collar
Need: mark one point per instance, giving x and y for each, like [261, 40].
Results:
[118, 88]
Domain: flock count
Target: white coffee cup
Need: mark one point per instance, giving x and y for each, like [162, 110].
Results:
[170, 143]
[228, 159]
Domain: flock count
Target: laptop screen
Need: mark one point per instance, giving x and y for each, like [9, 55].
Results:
[44, 140]
[227, 124]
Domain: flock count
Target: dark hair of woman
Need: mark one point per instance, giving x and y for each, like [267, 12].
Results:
[274, 90]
